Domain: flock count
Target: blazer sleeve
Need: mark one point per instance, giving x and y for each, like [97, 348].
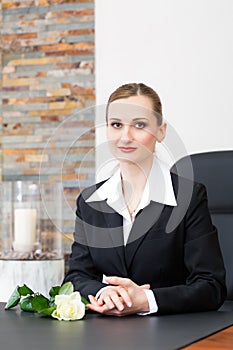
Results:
[82, 272]
[205, 287]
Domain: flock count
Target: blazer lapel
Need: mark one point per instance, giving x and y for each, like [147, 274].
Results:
[143, 222]
[114, 234]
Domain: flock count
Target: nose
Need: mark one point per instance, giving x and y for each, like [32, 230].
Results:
[126, 134]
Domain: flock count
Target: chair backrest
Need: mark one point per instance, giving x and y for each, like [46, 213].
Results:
[215, 171]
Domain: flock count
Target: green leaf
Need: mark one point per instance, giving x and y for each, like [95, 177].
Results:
[85, 301]
[47, 311]
[25, 290]
[66, 288]
[39, 302]
[26, 304]
[52, 302]
[13, 300]
[54, 291]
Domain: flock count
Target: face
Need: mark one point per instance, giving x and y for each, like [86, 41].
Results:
[132, 129]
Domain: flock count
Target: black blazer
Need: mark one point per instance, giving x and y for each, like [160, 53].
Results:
[174, 249]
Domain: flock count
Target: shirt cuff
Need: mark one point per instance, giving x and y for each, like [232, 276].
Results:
[153, 307]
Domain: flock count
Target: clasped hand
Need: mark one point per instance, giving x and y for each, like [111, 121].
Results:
[122, 297]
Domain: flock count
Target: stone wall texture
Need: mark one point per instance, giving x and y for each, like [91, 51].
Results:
[47, 90]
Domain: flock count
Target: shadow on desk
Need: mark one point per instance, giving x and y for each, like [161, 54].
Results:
[27, 330]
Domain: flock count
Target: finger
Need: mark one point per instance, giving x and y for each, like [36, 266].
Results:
[117, 301]
[120, 281]
[125, 296]
[93, 300]
[100, 301]
[105, 298]
[116, 312]
[109, 303]
[94, 306]
[118, 296]
[145, 286]
[100, 309]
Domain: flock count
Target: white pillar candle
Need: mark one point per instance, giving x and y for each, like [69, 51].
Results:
[24, 229]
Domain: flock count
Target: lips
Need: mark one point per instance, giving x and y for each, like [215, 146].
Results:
[127, 149]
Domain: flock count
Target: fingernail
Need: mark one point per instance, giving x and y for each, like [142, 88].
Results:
[129, 304]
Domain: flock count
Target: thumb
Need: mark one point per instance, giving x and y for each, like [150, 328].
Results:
[145, 286]
[119, 281]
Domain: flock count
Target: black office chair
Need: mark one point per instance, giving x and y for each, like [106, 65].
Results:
[215, 171]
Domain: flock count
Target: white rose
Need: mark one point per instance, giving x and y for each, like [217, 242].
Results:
[69, 307]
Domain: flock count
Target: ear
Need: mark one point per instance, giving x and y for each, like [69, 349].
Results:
[161, 132]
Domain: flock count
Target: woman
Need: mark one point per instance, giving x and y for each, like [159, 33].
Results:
[123, 258]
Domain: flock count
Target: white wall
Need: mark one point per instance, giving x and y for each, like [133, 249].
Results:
[184, 50]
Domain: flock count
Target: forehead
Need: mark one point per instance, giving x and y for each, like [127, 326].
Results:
[134, 106]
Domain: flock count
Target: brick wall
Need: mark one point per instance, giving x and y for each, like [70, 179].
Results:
[47, 82]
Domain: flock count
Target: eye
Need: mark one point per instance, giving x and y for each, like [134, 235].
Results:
[140, 125]
[116, 125]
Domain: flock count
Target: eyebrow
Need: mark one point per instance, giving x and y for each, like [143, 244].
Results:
[134, 119]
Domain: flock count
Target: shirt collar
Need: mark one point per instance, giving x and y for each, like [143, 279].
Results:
[158, 188]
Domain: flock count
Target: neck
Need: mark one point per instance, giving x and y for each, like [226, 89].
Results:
[136, 174]
[134, 177]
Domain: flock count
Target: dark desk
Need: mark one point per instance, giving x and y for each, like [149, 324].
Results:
[218, 341]
[21, 330]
